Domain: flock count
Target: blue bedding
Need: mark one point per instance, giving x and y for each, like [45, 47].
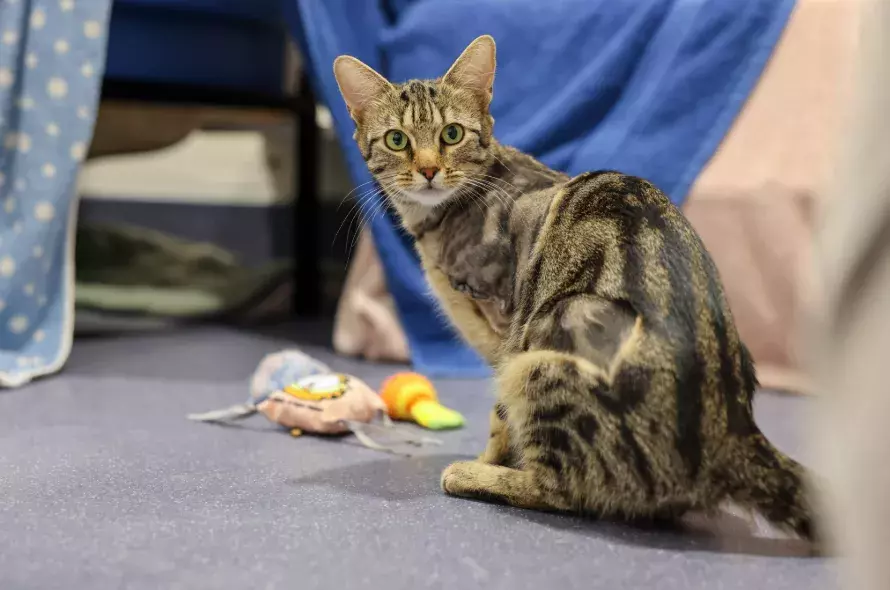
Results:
[649, 88]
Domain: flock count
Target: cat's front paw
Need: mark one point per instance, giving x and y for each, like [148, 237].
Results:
[454, 478]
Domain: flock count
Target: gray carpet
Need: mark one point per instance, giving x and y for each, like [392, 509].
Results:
[104, 484]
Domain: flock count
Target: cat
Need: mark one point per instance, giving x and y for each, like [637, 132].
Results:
[623, 389]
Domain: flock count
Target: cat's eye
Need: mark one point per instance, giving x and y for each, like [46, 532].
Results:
[452, 134]
[396, 140]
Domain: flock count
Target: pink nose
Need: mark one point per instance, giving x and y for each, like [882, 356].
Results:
[429, 173]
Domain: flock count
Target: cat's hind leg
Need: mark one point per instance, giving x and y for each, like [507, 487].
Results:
[574, 401]
[555, 427]
[489, 478]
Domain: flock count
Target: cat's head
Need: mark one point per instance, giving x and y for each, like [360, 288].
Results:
[423, 140]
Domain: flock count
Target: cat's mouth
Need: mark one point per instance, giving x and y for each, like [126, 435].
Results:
[429, 196]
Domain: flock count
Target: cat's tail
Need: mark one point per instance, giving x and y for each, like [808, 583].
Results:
[765, 479]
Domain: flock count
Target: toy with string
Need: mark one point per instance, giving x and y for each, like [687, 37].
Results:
[302, 395]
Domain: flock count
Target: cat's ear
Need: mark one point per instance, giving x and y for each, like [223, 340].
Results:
[359, 84]
[474, 69]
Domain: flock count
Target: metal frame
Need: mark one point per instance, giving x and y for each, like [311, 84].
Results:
[307, 277]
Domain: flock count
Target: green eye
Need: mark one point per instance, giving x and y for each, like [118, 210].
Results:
[396, 140]
[452, 134]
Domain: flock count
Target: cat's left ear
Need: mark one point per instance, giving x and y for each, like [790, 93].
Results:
[474, 69]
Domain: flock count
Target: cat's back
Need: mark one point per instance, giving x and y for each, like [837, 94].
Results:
[620, 237]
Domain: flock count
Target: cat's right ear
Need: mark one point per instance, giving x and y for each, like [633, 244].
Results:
[359, 84]
[474, 69]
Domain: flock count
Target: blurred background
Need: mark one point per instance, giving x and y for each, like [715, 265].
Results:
[210, 135]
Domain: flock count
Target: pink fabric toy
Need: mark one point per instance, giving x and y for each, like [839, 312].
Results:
[324, 404]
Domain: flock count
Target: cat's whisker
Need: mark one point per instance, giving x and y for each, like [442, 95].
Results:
[371, 200]
[367, 194]
[470, 184]
[355, 188]
[479, 194]
[502, 163]
[509, 184]
[352, 236]
[349, 214]
[499, 194]
[475, 201]
[382, 178]
[475, 196]
[490, 178]
[365, 218]
[358, 201]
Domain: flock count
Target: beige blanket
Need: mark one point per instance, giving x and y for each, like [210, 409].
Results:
[752, 204]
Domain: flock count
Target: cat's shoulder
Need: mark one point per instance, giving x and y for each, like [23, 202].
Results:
[614, 186]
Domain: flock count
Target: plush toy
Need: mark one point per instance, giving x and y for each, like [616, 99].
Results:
[322, 404]
[297, 392]
[280, 369]
[410, 396]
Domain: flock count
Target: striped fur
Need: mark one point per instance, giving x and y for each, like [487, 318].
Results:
[623, 386]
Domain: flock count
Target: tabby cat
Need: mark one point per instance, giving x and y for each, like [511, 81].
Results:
[622, 386]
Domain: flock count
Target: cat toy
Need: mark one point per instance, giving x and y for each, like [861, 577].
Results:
[297, 392]
[410, 396]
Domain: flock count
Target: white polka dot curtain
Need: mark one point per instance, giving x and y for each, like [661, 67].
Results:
[52, 54]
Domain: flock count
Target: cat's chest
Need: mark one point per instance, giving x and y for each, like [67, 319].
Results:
[481, 270]
[471, 280]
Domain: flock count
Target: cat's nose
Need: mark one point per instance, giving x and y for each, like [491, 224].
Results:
[429, 172]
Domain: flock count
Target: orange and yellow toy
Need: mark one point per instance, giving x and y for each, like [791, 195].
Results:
[410, 396]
